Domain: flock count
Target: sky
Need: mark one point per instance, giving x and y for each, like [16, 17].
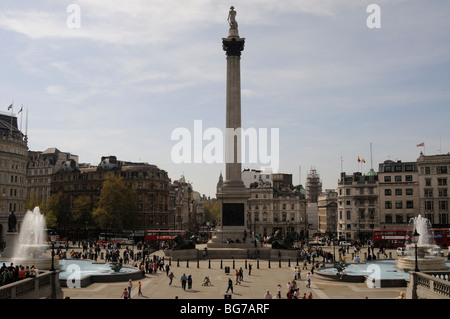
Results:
[336, 79]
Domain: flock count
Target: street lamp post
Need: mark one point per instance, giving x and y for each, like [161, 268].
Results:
[53, 239]
[416, 236]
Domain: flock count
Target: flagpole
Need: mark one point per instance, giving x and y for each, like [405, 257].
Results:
[12, 110]
[21, 117]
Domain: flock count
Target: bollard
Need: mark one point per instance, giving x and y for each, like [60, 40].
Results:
[209, 263]
[257, 264]
[187, 263]
[246, 264]
[170, 261]
[269, 263]
[178, 262]
[221, 264]
[233, 265]
[297, 261]
[279, 263]
[198, 263]
[289, 262]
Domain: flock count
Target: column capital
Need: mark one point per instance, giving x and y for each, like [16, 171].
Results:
[233, 46]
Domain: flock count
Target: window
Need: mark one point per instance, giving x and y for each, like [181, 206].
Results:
[428, 192]
[398, 178]
[387, 192]
[388, 169]
[349, 216]
[409, 204]
[429, 205]
[409, 191]
[427, 170]
[442, 192]
[441, 169]
[398, 168]
[427, 181]
[398, 204]
[399, 218]
[442, 182]
[409, 167]
[398, 192]
[388, 204]
[387, 178]
[388, 218]
[443, 205]
[408, 178]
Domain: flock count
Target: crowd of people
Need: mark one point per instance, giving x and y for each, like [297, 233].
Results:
[13, 273]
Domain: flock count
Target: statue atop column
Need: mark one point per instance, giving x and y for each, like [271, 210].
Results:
[232, 18]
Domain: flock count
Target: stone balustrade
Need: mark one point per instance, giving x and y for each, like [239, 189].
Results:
[429, 285]
[44, 286]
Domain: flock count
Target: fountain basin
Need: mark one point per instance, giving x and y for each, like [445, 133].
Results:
[87, 272]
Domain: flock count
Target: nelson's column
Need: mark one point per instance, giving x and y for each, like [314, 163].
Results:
[233, 194]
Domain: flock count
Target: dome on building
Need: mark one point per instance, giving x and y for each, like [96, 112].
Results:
[371, 173]
[108, 163]
[69, 166]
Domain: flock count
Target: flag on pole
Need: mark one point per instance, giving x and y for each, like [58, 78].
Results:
[10, 107]
[359, 160]
[20, 110]
[363, 160]
[421, 144]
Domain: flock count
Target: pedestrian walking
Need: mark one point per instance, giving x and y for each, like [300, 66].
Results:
[308, 278]
[249, 269]
[230, 285]
[237, 278]
[140, 289]
[183, 281]
[171, 276]
[130, 285]
[189, 282]
[167, 269]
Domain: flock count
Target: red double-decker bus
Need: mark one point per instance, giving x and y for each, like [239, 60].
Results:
[399, 238]
[391, 238]
[163, 235]
[441, 237]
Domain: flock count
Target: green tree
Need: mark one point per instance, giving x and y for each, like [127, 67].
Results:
[117, 204]
[82, 209]
[33, 202]
[55, 210]
[212, 210]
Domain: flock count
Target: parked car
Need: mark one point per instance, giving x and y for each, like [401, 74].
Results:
[344, 243]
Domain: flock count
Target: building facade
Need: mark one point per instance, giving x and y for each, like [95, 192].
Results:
[434, 176]
[358, 206]
[271, 209]
[13, 171]
[327, 204]
[399, 193]
[41, 166]
[152, 186]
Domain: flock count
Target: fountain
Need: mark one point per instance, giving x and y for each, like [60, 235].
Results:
[32, 242]
[425, 246]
